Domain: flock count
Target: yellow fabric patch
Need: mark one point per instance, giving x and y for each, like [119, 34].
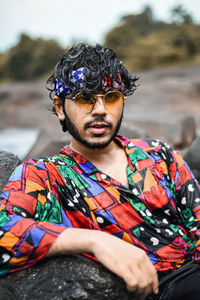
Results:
[42, 199]
[8, 241]
[149, 181]
[32, 186]
[18, 261]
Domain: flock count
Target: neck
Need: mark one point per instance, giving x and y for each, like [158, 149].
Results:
[94, 154]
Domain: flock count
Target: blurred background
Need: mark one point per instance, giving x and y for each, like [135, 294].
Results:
[159, 41]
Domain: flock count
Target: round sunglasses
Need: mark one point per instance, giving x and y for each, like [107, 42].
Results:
[110, 99]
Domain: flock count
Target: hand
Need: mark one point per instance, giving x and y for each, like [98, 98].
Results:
[127, 261]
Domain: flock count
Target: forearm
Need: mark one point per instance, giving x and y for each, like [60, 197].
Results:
[126, 260]
[25, 241]
[74, 240]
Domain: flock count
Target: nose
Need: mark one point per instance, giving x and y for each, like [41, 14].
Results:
[99, 107]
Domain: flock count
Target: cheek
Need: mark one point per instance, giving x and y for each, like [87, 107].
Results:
[75, 114]
[116, 113]
[72, 110]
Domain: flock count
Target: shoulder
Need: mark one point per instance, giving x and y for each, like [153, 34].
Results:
[156, 149]
[150, 145]
[33, 167]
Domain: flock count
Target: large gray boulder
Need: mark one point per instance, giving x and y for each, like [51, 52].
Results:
[8, 162]
[64, 277]
[176, 128]
[192, 157]
[132, 132]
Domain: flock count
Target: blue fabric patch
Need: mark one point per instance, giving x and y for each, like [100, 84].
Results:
[36, 235]
[17, 174]
[41, 165]
[163, 181]
[152, 257]
[5, 195]
[95, 189]
[87, 167]
[65, 220]
[13, 220]
[119, 234]
[108, 216]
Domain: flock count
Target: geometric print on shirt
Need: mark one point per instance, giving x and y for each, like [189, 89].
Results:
[159, 211]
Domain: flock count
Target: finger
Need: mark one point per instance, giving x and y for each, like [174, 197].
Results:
[131, 282]
[144, 283]
[151, 271]
[144, 294]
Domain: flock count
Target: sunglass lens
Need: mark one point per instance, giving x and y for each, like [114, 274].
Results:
[84, 101]
[114, 98]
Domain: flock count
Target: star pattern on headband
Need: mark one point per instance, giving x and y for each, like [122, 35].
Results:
[77, 79]
[61, 89]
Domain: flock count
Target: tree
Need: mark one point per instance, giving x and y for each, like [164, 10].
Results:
[31, 58]
[180, 15]
[139, 22]
[143, 42]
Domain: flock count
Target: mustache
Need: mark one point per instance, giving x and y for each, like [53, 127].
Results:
[98, 120]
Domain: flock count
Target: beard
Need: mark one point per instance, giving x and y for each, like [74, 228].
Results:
[72, 129]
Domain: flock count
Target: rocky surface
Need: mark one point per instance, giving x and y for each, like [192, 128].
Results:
[192, 157]
[166, 105]
[64, 278]
[164, 99]
[8, 162]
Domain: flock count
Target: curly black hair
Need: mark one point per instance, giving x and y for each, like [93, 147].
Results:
[98, 62]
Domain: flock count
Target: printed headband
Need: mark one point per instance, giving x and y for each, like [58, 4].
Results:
[78, 78]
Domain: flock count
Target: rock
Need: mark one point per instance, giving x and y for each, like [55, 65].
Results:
[8, 162]
[178, 129]
[64, 277]
[132, 132]
[48, 146]
[187, 131]
[192, 156]
[19, 140]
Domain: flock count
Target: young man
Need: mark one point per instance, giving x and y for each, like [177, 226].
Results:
[132, 205]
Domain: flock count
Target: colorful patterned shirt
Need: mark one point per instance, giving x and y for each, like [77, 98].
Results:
[159, 211]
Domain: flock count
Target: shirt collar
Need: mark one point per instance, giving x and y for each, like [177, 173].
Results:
[133, 152]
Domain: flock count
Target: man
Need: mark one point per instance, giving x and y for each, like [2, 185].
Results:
[132, 205]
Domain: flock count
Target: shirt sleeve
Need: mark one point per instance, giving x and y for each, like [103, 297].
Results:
[187, 191]
[26, 234]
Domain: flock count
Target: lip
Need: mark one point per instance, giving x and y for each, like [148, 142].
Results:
[98, 128]
[98, 124]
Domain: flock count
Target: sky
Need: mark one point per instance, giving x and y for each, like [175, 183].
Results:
[75, 20]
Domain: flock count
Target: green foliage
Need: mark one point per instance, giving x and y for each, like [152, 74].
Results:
[30, 58]
[143, 42]
[180, 15]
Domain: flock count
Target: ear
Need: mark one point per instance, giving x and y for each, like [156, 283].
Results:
[58, 104]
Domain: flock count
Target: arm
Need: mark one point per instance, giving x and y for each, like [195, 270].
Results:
[28, 236]
[187, 192]
[127, 261]
[25, 233]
